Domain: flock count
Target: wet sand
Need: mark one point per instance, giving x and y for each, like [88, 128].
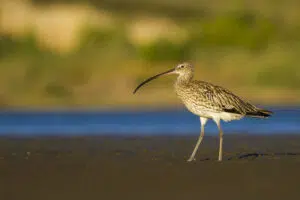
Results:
[254, 167]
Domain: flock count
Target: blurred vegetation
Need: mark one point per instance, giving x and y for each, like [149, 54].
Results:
[250, 48]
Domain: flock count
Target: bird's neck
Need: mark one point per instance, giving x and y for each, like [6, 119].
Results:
[184, 78]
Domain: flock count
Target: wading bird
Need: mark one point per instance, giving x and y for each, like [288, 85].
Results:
[208, 101]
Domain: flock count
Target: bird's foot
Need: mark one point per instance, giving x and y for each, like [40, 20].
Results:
[191, 159]
[220, 159]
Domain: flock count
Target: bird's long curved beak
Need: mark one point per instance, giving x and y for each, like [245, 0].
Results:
[171, 71]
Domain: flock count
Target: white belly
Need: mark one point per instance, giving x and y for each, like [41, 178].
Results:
[207, 113]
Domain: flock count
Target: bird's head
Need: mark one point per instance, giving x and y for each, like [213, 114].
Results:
[184, 70]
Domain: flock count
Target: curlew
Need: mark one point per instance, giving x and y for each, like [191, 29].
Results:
[208, 101]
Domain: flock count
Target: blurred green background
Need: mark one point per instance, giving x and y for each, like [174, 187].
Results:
[89, 53]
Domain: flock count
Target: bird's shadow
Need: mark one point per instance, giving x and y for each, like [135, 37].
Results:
[256, 155]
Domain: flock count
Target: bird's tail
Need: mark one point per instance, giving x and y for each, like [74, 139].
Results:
[260, 113]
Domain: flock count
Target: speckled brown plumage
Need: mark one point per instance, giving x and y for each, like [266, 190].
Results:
[204, 96]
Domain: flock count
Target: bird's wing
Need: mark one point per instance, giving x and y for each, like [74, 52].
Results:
[220, 99]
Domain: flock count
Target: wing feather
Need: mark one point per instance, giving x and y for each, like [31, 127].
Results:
[220, 99]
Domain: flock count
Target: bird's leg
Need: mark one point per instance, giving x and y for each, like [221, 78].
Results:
[203, 122]
[221, 140]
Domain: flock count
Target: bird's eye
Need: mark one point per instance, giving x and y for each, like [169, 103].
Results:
[181, 66]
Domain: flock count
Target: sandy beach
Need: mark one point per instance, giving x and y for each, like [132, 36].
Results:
[63, 168]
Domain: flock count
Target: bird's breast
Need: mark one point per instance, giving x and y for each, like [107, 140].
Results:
[191, 99]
